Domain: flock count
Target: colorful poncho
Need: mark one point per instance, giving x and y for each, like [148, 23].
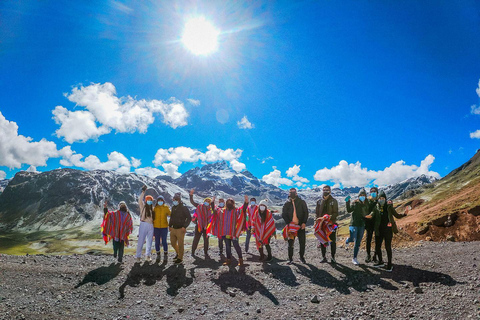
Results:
[251, 213]
[117, 225]
[323, 228]
[290, 231]
[214, 228]
[263, 230]
[232, 223]
[203, 214]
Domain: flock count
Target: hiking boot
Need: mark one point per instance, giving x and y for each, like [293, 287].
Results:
[324, 260]
[333, 260]
[227, 262]
[368, 259]
[388, 268]
[262, 257]
[354, 261]
[240, 262]
[138, 260]
[302, 259]
[379, 264]
[374, 259]
[207, 257]
[269, 259]
[175, 258]
[178, 261]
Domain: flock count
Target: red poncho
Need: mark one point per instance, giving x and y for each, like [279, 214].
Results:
[323, 228]
[232, 223]
[214, 228]
[263, 230]
[117, 225]
[251, 213]
[290, 231]
[203, 214]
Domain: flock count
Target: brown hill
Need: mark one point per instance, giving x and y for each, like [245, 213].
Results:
[449, 209]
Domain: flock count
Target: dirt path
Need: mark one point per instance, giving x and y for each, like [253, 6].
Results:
[429, 281]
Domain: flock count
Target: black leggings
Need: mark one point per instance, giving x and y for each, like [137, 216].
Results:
[228, 247]
[301, 241]
[118, 247]
[369, 240]
[333, 245]
[196, 239]
[386, 234]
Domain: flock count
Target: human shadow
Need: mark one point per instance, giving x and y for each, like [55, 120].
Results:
[360, 280]
[402, 273]
[148, 273]
[247, 284]
[323, 278]
[206, 263]
[281, 273]
[101, 275]
[177, 278]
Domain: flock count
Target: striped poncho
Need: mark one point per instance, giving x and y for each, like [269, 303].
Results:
[214, 228]
[117, 225]
[323, 228]
[251, 213]
[290, 231]
[263, 230]
[232, 223]
[203, 216]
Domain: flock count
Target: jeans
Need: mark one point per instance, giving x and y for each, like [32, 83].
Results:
[247, 238]
[161, 233]
[145, 232]
[301, 241]
[196, 239]
[118, 247]
[228, 247]
[356, 234]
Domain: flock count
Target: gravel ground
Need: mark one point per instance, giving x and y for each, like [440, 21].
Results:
[429, 281]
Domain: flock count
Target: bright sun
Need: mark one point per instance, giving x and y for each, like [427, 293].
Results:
[200, 36]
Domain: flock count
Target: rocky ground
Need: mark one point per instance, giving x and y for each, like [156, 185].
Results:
[429, 281]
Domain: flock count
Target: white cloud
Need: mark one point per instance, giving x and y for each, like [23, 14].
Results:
[275, 178]
[475, 109]
[32, 169]
[3, 175]
[475, 135]
[105, 112]
[348, 175]
[245, 124]
[478, 89]
[116, 161]
[172, 158]
[135, 162]
[194, 102]
[150, 172]
[293, 173]
[16, 150]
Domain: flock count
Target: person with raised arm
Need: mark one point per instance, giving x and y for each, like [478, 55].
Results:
[145, 231]
[215, 226]
[203, 214]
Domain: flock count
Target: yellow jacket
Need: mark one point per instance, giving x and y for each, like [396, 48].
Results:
[161, 213]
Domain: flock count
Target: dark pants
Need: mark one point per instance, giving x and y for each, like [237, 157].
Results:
[228, 247]
[269, 250]
[301, 241]
[220, 244]
[333, 245]
[161, 233]
[247, 238]
[118, 247]
[196, 239]
[386, 234]
[369, 230]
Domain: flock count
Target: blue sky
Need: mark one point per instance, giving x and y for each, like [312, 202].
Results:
[363, 91]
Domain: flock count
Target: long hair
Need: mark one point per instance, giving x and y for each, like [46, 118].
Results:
[149, 212]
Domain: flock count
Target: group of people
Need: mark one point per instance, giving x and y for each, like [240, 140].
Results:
[227, 222]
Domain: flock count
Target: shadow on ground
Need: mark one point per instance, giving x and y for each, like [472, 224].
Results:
[101, 275]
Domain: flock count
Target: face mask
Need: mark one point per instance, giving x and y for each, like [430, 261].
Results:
[206, 203]
[293, 195]
[149, 202]
[381, 202]
[221, 204]
[252, 203]
[374, 194]
[175, 202]
[362, 198]
[262, 208]
[160, 203]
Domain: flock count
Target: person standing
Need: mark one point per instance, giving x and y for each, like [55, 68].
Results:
[215, 226]
[180, 218]
[385, 227]
[117, 225]
[203, 216]
[370, 224]
[251, 212]
[160, 226]
[263, 228]
[359, 211]
[145, 231]
[295, 212]
[328, 205]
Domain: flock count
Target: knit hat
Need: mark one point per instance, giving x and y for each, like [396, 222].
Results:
[177, 195]
[362, 192]
[148, 198]
[160, 198]
[382, 194]
[263, 203]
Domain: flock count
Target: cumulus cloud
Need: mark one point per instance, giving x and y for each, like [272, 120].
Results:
[16, 150]
[104, 112]
[245, 124]
[293, 173]
[116, 161]
[3, 175]
[475, 134]
[349, 175]
[476, 110]
[135, 162]
[275, 178]
[170, 159]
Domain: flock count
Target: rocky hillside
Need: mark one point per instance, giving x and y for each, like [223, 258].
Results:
[448, 208]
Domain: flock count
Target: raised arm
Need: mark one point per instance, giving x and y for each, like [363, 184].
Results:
[349, 207]
[245, 204]
[191, 199]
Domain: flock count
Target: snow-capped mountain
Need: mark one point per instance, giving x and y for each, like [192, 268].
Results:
[3, 184]
[406, 188]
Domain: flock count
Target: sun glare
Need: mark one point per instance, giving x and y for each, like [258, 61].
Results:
[200, 36]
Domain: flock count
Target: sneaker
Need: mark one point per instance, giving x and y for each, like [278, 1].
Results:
[148, 259]
[379, 264]
[178, 261]
[290, 262]
[388, 268]
[368, 259]
[302, 259]
[324, 260]
[354, 261]
[138, 260]
[333, 260]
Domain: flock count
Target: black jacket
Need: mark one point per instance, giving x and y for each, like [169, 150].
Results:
[327, 206]
[180, 217]
[300, 207]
